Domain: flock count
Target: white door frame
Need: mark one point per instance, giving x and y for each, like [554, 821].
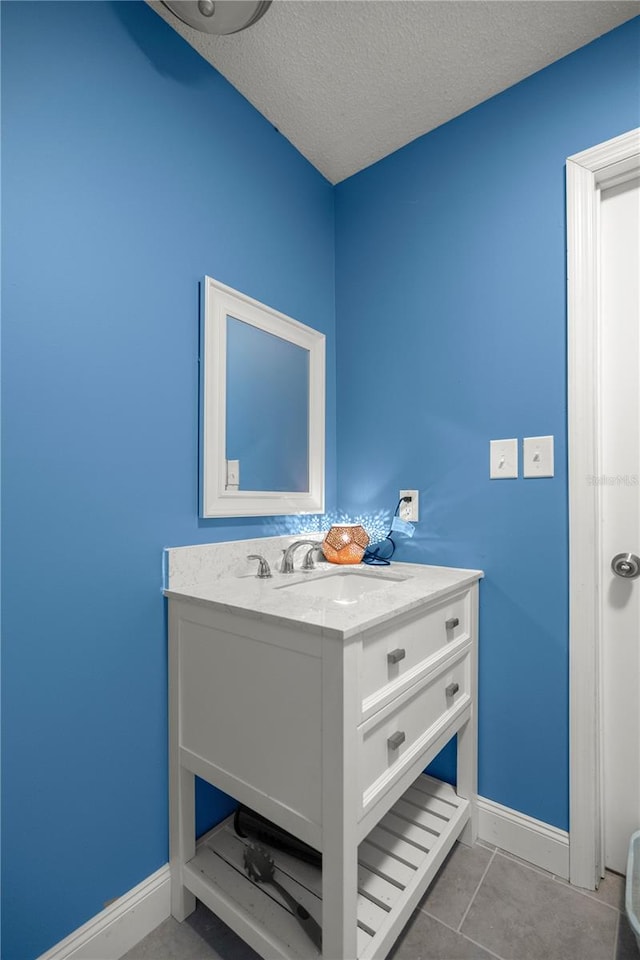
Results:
[588, 173]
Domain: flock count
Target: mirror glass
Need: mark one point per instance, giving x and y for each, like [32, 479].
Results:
[262, 400]
[267, 428]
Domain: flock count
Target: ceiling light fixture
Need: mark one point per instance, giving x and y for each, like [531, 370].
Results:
[219, 17]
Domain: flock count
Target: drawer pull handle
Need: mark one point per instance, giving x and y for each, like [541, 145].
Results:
[452, 622]
[396, 739]
[396, 655]
[452, 689]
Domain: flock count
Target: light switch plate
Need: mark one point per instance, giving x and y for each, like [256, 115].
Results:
[503, 459]
[537, 455]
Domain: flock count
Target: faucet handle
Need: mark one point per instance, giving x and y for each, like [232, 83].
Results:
[264, 571]
[307, 563]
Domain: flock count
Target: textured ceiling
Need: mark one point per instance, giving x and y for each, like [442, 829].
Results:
[350, 81]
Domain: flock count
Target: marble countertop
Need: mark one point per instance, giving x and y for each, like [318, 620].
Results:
[414, 585]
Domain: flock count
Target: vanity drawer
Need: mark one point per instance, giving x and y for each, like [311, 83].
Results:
[393, 738]
[393, 658]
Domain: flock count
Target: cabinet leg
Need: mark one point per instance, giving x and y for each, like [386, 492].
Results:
[182, 841]
[469, 833]
[467, 776]
[339, 904]
[340, 801]
[183, 902]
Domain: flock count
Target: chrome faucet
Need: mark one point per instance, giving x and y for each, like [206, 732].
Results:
[287, 560]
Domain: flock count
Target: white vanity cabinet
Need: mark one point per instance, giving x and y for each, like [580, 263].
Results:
[327, 733]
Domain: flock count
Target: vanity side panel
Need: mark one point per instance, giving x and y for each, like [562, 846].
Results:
[251, 708]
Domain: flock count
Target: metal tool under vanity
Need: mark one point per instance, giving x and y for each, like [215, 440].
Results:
[261, 868]
[260, 865]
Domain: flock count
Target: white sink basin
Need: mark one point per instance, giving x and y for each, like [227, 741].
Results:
[347, 586]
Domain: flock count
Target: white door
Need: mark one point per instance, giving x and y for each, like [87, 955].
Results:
[619, 486]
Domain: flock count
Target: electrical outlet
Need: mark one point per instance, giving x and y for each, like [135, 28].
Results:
[410, 511]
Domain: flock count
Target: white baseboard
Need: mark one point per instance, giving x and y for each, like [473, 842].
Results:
[117, 928]
[522, 836]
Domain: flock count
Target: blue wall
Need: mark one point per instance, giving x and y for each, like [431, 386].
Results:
[130, 170]
[451, 318]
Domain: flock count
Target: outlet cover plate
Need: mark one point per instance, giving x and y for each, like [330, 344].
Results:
[503, 459]
[410, 511]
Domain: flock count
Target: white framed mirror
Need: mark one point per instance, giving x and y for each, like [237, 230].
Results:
[262, 403]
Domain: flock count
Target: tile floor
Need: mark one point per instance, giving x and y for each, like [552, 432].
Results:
[483, 904]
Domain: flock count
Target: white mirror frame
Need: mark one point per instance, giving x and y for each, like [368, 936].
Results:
[218, 302]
